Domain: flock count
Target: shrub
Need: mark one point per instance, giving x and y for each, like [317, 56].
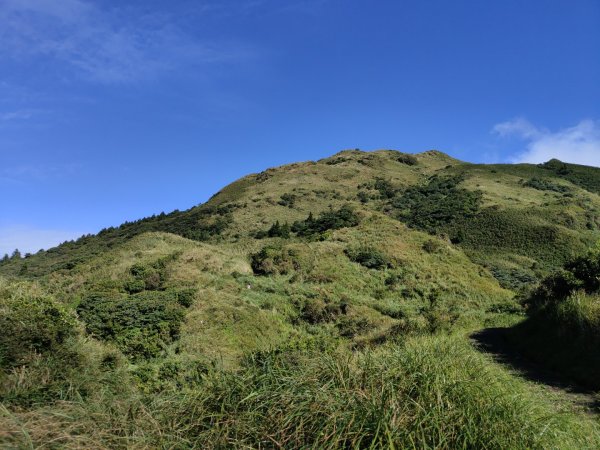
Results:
[544, 185]
[437, 204]
[288, 200]
[274, 260]
[141, 325]
[408, 159]
[328, 220]
[432, 246]
[369, 257]
[31, 323]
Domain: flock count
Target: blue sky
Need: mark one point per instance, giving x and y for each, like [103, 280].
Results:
[115, 110]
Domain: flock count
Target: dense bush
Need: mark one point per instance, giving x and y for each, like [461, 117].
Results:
[439, 203]
[141, 325]
[522, 232]
[545, 185]
[288, 200]
[563, 328]
[581, 273]
[582, 176]
[276, 230]
[274, 260]
[408, 159]
[31, 323]
[328, 220]
[369, 257]
[432, 246]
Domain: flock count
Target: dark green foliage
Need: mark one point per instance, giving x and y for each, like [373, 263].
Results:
[385, 187]
[274, 260]
[350, 327]
[514, 279]
[328, 220]
[408, 159]
[386, 190]
[438, 204]
[141, 325]
[517, 231]
[288, 200]
[563, 328]
[276, 230]
[32, 324]
[149, 277]
[363, 196]
[583, 176]
[581, 273]
[432, 246]
[545, 185]
[317, 310]
[369, 257]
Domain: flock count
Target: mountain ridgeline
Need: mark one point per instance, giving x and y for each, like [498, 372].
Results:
[314, 305]
[519, 221]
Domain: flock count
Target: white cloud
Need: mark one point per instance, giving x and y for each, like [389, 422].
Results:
[30, 240]
[105, 45]
[579, 144]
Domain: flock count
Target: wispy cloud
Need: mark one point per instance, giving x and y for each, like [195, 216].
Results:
[105, 45]
[21, 114]
[579, 144]
[29, 239]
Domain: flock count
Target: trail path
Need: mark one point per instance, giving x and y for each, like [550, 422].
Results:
[494, 341]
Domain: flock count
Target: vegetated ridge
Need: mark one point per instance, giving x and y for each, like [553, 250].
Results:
[319, 304]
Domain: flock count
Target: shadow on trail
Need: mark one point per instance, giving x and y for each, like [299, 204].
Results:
[495, 342]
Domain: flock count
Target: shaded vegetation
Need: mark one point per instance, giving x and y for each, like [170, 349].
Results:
[437, 204]
[328, 220]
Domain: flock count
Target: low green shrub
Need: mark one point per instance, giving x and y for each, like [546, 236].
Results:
[328, 220]
[31, 323]
[141, 325]
[436, 205]
[274, 260]
[369, 257]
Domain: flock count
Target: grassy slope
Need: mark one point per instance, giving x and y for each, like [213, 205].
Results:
[325, 303]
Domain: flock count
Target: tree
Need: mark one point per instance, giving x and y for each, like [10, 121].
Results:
[16, 254]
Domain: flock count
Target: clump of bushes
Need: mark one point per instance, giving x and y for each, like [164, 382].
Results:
[544, 185]
[432, 246]
[31, 323]
[383, 186]
[288, 200]
[318, 310]
[328, 220]
[408, 159]
[274, 260]
[369, 257]
[141, 325]
[276, 230]
[563, 328]
[438, 204]
[583, 176]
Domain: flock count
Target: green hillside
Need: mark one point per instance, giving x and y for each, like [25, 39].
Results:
[320, 304]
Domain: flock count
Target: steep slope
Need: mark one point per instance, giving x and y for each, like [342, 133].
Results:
[528, 220]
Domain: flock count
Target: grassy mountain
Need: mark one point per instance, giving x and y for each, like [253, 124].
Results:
[249, 320]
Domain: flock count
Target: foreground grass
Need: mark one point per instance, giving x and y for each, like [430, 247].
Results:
[427, 392]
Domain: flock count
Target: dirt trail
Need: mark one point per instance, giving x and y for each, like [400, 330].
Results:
[495, 342]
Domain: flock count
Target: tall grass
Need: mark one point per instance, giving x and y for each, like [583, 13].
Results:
[428, 392]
